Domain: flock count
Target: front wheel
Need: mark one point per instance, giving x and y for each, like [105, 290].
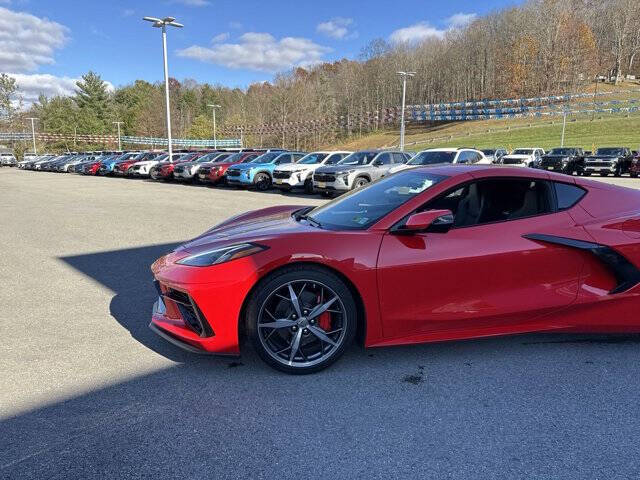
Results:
[301, 320]
[308, 187]
[360, 182]
[262, 181]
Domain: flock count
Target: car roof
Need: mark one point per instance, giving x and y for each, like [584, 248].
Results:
[452, 170]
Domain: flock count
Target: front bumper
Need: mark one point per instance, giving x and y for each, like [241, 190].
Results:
[600, 167]
[216, 294]
[294, 181]
[338, 185]
[243, 180]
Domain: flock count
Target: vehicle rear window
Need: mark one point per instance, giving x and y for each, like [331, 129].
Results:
[568, 195]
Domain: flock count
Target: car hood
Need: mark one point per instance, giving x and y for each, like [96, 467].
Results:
[337, 169]
[518, 157]
[255, 226]
[249, 166]
[146, 162]
[609, 157]
[292, 167]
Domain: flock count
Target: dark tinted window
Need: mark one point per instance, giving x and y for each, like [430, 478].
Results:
[384, 159]
[431, 157]
[568, 195]
[365, 206]
[496, 200]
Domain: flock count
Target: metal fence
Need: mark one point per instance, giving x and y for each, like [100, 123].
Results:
[151, 141]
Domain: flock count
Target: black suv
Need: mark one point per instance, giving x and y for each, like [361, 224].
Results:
[614, 160]
[567, 160]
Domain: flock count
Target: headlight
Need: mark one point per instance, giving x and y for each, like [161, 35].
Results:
[221, 255]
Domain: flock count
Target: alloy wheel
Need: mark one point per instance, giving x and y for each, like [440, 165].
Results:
[302, 323]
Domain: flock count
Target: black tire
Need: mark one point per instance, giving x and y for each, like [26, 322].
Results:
[360, 182]
[618, 172]
[633, 174]
[586, 174]
[327, 194]
[308, 187]
[262, 181]
[312, 278]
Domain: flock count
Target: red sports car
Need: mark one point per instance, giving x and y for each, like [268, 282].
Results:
[424, 255]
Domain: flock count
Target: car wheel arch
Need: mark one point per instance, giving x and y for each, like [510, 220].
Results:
[266, 275]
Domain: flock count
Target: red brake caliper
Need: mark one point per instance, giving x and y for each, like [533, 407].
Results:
[324, 320]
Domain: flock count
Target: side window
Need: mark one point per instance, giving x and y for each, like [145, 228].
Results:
[298, 156]
[568, 195]
[496, 200]
[284, 158]
[464, 157]
[476, 157]
[384, 159]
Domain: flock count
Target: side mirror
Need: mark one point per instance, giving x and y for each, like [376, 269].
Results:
[435, 221]
[377, 163]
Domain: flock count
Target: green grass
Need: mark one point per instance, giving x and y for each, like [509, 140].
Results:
[606, 130]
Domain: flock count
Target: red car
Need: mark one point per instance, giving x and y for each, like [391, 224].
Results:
[164, 170]
[215, 172]
[424, 255]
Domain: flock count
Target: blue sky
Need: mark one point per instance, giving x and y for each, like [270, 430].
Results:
[233, 43]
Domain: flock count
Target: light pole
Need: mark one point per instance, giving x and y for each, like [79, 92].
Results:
[119, 144]
[404, 76]
[564, 125]
[213, 107]
[33, 133]
[162, 23]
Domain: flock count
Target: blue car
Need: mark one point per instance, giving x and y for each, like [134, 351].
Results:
[258, 173]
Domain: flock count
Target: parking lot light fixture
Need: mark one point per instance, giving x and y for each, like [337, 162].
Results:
[119, 144]
[404, 76]
[162, 23]
[213, 107]
[33, 133]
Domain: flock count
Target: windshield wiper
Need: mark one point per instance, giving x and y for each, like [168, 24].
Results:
[303, 215]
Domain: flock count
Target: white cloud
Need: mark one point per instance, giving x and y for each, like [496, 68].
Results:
[31, 86]
[336, 28]
[27, 41]
[420, 31]
[220, 38]
[460, 19]
[416, 33]
[261, 52]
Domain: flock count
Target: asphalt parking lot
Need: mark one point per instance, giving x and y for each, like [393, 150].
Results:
[88, 391]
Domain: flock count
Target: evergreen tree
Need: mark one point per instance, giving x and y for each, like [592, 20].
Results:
[93, 101]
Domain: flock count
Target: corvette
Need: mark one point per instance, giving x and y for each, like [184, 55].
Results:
[424, 255]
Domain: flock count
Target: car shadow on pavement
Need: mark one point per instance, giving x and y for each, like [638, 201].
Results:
[127, 273]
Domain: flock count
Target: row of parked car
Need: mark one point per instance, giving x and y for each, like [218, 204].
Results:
[326, 172]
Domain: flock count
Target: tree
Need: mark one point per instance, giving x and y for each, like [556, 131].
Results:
[92, 99]
[9, 97]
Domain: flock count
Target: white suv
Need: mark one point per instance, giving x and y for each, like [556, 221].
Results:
[299, 174]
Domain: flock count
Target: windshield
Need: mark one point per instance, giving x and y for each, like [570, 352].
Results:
[522, 151]
[266, 157]
[561, 151]
[358, 158]
[334, 158]
[312, 158]
[431, 157]
[363, 207]
[609, 151]
[488, 152]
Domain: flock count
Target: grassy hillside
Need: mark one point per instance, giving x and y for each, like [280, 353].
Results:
[584, 131]
[609, 130]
